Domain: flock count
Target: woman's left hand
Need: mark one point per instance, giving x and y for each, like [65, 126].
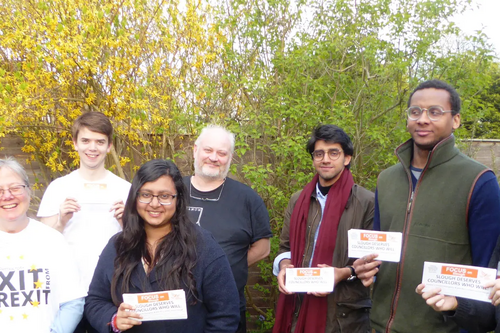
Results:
[126, 317]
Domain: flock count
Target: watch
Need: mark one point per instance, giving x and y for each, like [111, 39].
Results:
[353, 275]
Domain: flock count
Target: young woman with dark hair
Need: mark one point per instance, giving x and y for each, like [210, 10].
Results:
[160, 249]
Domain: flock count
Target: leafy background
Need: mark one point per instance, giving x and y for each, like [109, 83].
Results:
[269, 70]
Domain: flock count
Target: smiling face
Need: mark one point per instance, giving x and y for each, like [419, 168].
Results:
[424, 132]
[13, 209]
[212, 157]
[157, 216]
[92, 148]
[330, 170]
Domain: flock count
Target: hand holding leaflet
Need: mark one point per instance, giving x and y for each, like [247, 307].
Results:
[162, 305]
[314, 279]
[458, 280]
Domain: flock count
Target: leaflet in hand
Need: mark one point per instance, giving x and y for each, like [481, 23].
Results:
[161, 305]
[458, 280]
[386, 244]
[310, 279]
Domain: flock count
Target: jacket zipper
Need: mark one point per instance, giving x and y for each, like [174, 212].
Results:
[406, 230]
[409, 204]
[395, 296]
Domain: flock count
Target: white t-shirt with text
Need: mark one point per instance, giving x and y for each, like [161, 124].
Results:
[37, 275]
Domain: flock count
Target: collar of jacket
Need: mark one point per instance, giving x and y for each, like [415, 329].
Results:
[442, 152]
[314, 195]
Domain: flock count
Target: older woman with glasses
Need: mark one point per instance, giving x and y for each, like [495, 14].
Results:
[161, 250]
[40, 288]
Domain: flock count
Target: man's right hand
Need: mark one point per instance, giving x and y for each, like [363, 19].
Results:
[284, 264]
[66, 210]
[366, 268]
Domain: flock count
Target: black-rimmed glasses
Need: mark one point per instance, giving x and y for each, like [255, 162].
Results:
[164, 199]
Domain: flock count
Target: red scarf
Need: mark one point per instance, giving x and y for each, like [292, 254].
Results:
[313, 311]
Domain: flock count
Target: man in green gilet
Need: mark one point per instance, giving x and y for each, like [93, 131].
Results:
[446, 205]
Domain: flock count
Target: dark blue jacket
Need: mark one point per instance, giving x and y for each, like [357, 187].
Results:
[217, 309]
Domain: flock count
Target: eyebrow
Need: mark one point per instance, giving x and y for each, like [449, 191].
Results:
[210, 147]
[14, 184]
[151, 191]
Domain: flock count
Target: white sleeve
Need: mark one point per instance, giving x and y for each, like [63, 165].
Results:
[69, 284]
[49, 206]
[277, 260]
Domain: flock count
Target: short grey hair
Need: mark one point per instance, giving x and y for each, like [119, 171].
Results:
[11, 163]
[213, 128]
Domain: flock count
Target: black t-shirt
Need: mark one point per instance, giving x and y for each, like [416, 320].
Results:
[238, 219]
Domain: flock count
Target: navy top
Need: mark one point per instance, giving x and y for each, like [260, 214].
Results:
[216, 309]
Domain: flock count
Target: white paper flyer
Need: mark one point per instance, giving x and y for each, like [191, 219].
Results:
[161, 305]
[312, 279]
[386, 244]
[458, 280]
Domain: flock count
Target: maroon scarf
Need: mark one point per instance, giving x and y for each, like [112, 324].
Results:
[313, 311]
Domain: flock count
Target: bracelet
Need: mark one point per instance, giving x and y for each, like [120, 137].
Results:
[113, 324]
[353, 275]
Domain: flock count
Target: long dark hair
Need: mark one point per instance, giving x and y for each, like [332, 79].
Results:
[175, 255]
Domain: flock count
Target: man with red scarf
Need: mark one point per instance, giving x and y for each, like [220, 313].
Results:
[315, 235]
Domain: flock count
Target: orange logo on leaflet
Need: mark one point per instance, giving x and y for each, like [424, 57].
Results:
[153, 298]
[459, 271]
[309, 272]
[373, 237]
